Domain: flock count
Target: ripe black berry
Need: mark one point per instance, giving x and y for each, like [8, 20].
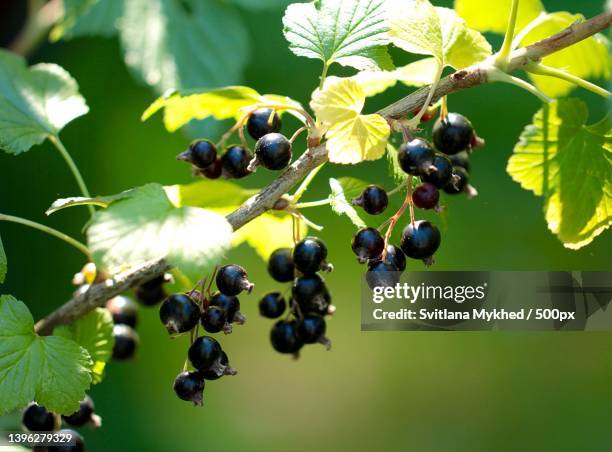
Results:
[317, 305]
[213, 319]
[232, 279]
[367, 244]
[382, 274]
[458, 182]
[395, 257]
[123, 310]
[262, 122]
[280, 265]
[461, 159]
[420, 240]
[235, 161]
[189, 386]
[416, 157]
[307, 288]
[426, 196]
[452, 134]
[273, 151]
[373, 200]
[152, 292]
[36, 418]
[311, 328]
[200, 153]
[272, 305]
[204, 352]
[126, 341]
[213, 171]
[223, 361]
[179, 313]
[309, 255]
[284, 337]
[230, 304]
[83, 415]
[443, 173]
[78, 446]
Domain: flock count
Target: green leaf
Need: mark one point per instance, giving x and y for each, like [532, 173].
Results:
[569, 163]
[351, 33]
[100, 201]
[205, 193]
[88, 18]
[93, 332]
[341, 205]
[395, 170]
[35, 103]
[182, 44]
[3, 262]
[588, 58]
[482, 16]
[148, 226]
[51, 370]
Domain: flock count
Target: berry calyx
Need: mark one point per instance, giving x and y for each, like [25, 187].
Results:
[309, 255]
[223, 361]
[373, 200]
[280, 265]
[123, 310]
[214, 319]
[458, 182]
[205, 353]
[84, 415]
[284, 337]
[232, 279]
[416, 157]
[189, 386]
[420, 240]
[461, 159]
[126, 342]
[272, 305]
[201, 153]
[452, 134]
[272, 151]
[152, 292]
[262, 122]
[36, 418]
[382, 274]
[231, 306]
[367, 244]
[213, 171]
[395, 257]
[311, 329]
[443, 173]
[179, 313]
[235, 161]
[426, 196]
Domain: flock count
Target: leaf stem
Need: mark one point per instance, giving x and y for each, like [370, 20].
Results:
[516, 42]
[541, 69]
[323, 75]
[496, 75]
[75, 170]
[55, 233]
[306, 182]
[306, 205]
[414, 122]
[501, 61]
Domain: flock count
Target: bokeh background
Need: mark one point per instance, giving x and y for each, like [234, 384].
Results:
[373, 391]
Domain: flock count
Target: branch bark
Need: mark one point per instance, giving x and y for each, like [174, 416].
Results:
[312, 158]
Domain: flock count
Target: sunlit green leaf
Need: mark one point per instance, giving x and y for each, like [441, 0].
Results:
[209, 194]
[341, 205]
[100, 201]
[483, 15]
[569, 163]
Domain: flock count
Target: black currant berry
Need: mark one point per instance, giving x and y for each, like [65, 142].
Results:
[317, 305]
[213, 171]
[367, 244]
[416, 157]
[230, 304]
[76, 445]
[284, 337]
[272, 305]
[311, 328]
[126, 342]
[309, 255]
[273, 151]
[426, 196]
[83, 415]
[224, 362]
[280, 265]
[189, 386]
[452, 134]
[201, 153]
[458, 182]
[152, 292]
[235, 161]
[232, 279]
[36, 418]
[308, 288]
[373, 200]
[214, 319]
[443, 173]
[420, 240]
[461, 159]
[395, 257]
[382, 274]
[262, 122]
[179, 313]
[123, 310]
[204, 352]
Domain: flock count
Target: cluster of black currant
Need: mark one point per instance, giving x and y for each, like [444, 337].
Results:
[272, 149]
[454, 138]
[37, 418]
[184, 312]
[310, 300]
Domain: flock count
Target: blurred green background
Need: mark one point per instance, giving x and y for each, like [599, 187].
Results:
[373, 391]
